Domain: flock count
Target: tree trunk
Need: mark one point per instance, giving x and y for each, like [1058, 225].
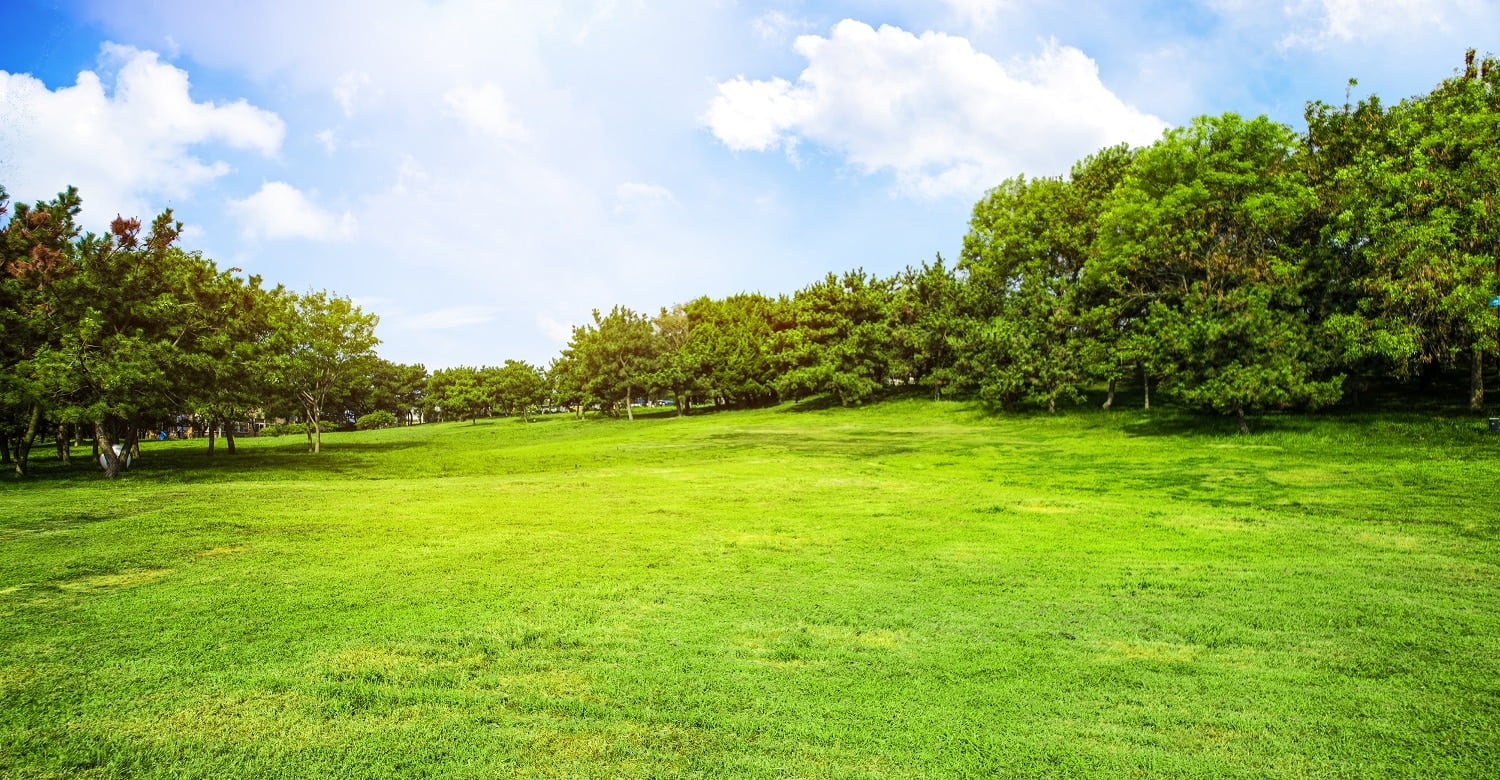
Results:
[629, 415]
[5, 448]
[213, 430]
[1147, 385]
[1476, 381]
[132, 440]
[1109, 399]
[229, 438]
[23, 444]
[114, 463]
[64, 443]
[1239, 411]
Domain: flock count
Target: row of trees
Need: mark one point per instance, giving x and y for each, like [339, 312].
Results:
[119, 332]
[1234, 265]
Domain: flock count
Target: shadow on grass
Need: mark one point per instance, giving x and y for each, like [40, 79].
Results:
[278, 461]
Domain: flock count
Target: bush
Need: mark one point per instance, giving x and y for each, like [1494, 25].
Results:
[375, 420]
[284, 429]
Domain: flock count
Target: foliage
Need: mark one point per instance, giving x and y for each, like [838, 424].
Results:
[837, 339]
[375, 420]
[285, 429]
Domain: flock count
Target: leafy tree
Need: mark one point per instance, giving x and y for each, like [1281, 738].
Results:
[1410, 200]
[838, 339]
[457, 392]
[927, 321]
[332, 341]
[518, 388]
[1207, 224]
[125, 328]
[1023, 256]
[614, 357]
[727, 356]
[37, 254]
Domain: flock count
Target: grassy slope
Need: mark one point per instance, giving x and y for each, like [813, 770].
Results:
[910, 589]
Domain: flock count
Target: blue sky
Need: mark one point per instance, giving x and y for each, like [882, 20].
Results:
[482, 174]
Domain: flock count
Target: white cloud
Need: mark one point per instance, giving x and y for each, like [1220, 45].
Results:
[279, 210]
[1321, 22]
[451, 317]
[776, 26]
[944, 118]
[348, 88]
[328, 140]
[486, 109]
[635, 197]
[123, 148]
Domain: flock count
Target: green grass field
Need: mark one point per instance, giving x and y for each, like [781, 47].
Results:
[906, 590]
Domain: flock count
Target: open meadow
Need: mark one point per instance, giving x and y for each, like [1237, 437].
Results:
[911, 589]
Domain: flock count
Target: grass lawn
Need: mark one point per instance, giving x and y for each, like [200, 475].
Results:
[907, 590]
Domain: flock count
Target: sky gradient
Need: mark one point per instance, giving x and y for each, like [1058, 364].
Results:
[484, 174]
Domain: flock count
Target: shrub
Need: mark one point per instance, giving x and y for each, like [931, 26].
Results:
[381, 419]
[284, 429]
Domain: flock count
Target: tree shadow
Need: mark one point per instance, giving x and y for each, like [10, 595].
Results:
[817, 403]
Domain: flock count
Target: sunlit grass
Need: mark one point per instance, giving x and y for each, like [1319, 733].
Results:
[911, 589]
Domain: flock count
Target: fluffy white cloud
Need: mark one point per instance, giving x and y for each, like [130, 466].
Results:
[944, 118]
[124, 147]
[279, 210]
[486, 109]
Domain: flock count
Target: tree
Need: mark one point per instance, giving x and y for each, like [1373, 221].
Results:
[518, 388]
[727, 356]
[332, 340]
[838, 339]
[1024, 256]
[458, 392]
[614, 357]
[1412, 217]
[125, 328]
[927, 323]
[1209, 225]
[37, 254]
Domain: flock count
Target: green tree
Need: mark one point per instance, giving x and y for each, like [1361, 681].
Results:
[1209, 227]
[518, 388]
[613, 357]
[458, 393]
[727, 357]
[1412, 223]
[37, 257]
[1024, 256]
[927, 323]
[332, 341]
[838, 339]
[126, 327]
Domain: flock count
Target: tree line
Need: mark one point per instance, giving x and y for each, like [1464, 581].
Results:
[1234, 265]
[106, 336]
